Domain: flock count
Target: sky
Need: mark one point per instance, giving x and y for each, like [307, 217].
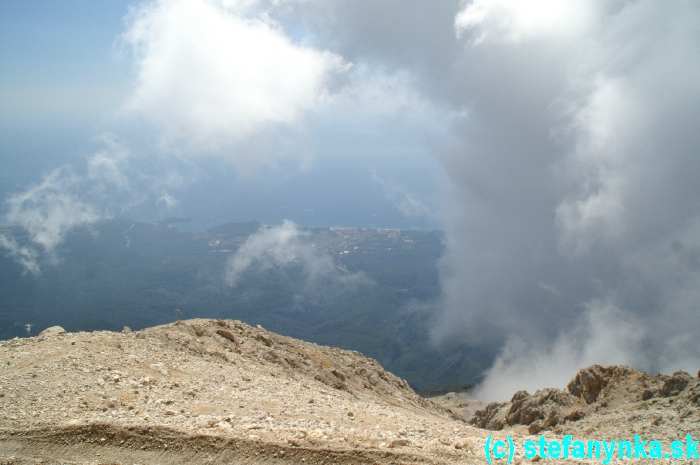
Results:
[67, 74]
[555, 144]
[59, 64]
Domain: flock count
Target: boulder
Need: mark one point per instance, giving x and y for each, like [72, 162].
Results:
[676, 383]
[52, 331]
[589, 382]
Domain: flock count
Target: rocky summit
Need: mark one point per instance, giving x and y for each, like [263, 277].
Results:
[212, 391]
[223, 392]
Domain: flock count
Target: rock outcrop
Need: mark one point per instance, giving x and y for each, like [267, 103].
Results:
[599, 398]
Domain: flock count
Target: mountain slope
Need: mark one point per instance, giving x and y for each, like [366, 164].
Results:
[197, 389]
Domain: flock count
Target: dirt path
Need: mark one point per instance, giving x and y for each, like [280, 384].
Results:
[106, 444]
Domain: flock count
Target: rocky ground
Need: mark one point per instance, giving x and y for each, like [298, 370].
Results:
[205, 391]
[216, 392]
[613, 401]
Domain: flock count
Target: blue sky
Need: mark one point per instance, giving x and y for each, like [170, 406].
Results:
[60, 78]
[65, 74]
[53, 52]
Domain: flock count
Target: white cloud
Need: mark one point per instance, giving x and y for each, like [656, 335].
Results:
[407, 203]
[285, 245]
[516, 20]
[167, 201]
[211, 74]
[604, 335]
[576, 166]
[108, 165]
[110, 182]
[48, 210]
[25, 256]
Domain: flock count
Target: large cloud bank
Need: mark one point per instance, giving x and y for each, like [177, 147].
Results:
[574, 197]
[570, 210]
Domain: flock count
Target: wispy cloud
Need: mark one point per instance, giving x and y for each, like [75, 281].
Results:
[406, 202]
[26, 257]
[285, 245]
[108, 184]
[604, 334]
[47, 212]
